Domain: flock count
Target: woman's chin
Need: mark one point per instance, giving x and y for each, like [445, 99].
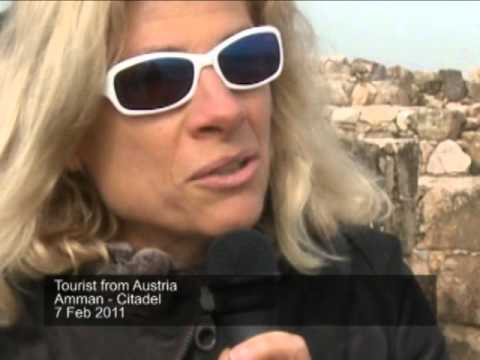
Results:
[228, 221]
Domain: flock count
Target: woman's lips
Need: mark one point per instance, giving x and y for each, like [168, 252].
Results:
[238, 177]
[222, 162]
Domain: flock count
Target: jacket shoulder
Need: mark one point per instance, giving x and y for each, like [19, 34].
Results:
[373, 251]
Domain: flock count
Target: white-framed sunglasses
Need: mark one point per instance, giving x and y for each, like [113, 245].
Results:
[157, 82]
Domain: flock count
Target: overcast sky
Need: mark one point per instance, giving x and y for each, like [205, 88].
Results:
[416, 34]
[3, 4]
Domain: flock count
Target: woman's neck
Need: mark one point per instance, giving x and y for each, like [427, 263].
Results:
[186, 251]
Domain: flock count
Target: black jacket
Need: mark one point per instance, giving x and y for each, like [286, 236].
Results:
[370, 252]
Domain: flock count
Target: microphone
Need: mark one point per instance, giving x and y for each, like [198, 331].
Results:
[241, 266]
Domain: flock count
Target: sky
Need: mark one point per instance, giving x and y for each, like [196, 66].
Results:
[420, 35]
[3, 4]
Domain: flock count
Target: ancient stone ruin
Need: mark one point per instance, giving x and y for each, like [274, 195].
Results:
[419, 132]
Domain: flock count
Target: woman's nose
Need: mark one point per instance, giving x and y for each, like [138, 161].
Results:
[214, 108]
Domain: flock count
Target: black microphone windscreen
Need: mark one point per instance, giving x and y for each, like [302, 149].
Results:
[240, 266]
[242, 252]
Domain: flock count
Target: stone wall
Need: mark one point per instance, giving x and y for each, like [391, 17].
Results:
[420, 133]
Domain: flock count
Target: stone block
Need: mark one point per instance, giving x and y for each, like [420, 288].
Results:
[473, 89]
[438, 124]
[448, 213]
[463, 342]
[338, 91]
[472, 123]
[334, 64]
[363, 94]
[366, 70]
[378, 116]
[400, 74]
[366, 153]
[453, 85]
[391, 94]
[426, 149]
[474, 110]
[432, 102]
[395, 162]
[403, 223]
[474, 75]
[428, 82]
[418, 262]
[345, 118]
[404, 118]
[458, 286]
[448, 158]
[472, 146]
[403, 174]
[464, 109]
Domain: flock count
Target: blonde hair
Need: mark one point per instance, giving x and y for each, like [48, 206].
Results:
[52, 219]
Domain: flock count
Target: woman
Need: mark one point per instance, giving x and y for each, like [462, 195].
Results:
[99, 147]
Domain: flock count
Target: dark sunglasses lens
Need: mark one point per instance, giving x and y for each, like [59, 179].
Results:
[251, 59]
[154, 84]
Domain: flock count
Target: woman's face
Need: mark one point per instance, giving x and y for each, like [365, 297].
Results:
[143, 166]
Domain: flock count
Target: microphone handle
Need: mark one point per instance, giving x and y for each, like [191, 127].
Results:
[238, 327]
[236, 334]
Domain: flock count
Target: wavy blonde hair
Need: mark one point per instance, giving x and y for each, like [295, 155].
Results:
[52, 219]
